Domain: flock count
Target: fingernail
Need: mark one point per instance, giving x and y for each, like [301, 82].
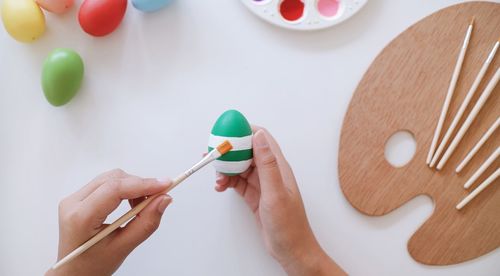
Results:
[165, 201]
[260, 139]
[219, 177]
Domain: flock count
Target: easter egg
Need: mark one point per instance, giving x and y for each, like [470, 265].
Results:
[23, 19]
[150, 5]
[62, 76]
[101, 17]
[56, 6]
[234, 127]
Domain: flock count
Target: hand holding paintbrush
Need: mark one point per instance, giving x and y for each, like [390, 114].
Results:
[211, 156]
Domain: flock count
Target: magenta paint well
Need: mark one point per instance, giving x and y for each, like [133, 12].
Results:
[328, 8]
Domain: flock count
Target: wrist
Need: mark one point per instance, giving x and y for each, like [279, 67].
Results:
[303, 259]
[312, 260]
[50, 272]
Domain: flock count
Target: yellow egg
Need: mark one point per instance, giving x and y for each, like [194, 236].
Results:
[23, 19]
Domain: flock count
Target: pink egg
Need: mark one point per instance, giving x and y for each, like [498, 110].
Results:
[56, 6]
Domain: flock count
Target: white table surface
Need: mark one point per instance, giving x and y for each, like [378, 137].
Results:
[151, 93]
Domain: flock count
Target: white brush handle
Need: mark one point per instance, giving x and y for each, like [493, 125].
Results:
[464, 104]
[472, 115]
[449, 94]
[482, 168]
[479, 189]
[479, 144]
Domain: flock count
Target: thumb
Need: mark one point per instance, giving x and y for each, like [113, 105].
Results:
[144, 224]
[266, 162]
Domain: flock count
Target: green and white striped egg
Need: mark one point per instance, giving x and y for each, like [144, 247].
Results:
[234, 127]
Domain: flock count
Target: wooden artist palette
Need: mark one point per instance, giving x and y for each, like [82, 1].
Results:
[404, 89]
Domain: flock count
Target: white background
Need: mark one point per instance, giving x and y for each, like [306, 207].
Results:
[151, 93]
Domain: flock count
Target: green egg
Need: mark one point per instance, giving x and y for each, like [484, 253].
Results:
[233, 127]
[62, 76]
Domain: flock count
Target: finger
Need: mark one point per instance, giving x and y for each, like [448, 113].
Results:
[253, 180]
[255, 128]
[143, 225]
[98, 205]
[221, 182]
[250, 194]
[96, 182]
[246, 173]
[134, 187]
[240, 186]
[285, 169]
[231, 182]
[221, 179]
[133, 202]
[272, 142]
[266, 161]
[220, 188]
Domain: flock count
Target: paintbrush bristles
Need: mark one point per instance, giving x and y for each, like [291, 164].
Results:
[225, 147]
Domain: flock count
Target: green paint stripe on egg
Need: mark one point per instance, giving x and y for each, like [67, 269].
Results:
[232, 124]
[236, 155]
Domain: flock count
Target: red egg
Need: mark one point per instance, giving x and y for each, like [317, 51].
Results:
[101, 17]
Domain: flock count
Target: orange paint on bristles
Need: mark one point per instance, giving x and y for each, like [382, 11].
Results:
[225, 147]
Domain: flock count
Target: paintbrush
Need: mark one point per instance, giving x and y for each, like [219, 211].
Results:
[451, 90]
[465, 103]
[491, 179]
[490, 87]
[222, 149]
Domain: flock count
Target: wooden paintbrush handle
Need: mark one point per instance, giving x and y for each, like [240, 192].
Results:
[222, 149]
[112, 227]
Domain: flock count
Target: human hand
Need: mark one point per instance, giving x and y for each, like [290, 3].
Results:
[270, 190]
[82, 214]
